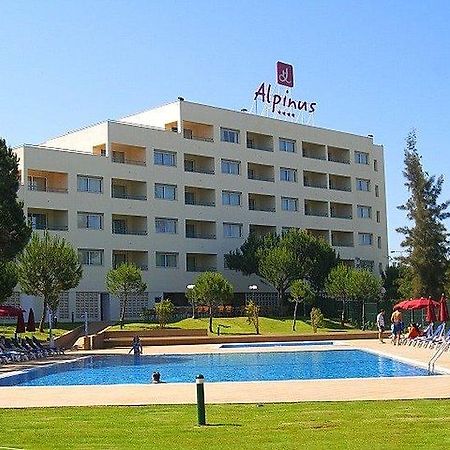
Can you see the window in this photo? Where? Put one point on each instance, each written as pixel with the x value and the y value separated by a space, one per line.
pixel 378 216
pixel 365 238
pixel 37 221
pixel 289 204
pixel 92 221
pixel 377 191
pixel 379 241
pixel 89 184
pixel 37 183
pixel 231 198
pixel 90 257
pixel 287 145
pixel 165 191
pixel 362 185
pixel 364 212
pixel 361 158
pixel 232 230
pixel 288 174
pixel 164 158
pixel 229 135
pixel 375 165
pixel 163 225
pixel 231 167
pixel 166 259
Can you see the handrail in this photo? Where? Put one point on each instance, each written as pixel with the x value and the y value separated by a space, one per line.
pixel 437 354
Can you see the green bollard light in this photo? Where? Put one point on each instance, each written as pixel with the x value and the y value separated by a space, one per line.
pixel 201 414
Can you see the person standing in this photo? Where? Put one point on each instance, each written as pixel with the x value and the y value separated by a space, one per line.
pixel 380 325
pixel 397 321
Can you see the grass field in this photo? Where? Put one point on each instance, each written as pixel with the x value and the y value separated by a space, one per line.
pixel 239 325
pixel 9 330
pixel 336 425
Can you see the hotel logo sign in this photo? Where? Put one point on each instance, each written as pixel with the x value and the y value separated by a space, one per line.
pixel 277 100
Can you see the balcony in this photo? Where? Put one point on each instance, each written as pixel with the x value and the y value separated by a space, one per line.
pixel 339 155
pixel 45 181
pixel 340 183
pixel 198 131
pixel 262 230
pixel 342 239
pixel 320 234
pixel 199 196
pixel 48 219
pixel 315 179
pixel 314 151
pixel 199 164
pixel 316 208
pixel 259 141
pixel 261 202
pixel 99 150
pixel 138 258
pixel 260 172
pixel 129 225
pixel 200 229
pixel 341 210
pixel 201 262
pixel 128 189
pixel 128 154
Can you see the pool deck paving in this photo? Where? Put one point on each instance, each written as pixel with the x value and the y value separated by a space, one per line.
pixel 239 392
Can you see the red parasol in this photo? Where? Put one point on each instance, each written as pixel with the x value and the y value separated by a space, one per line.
pixel 31 325
pixel 20 327
pixel 9 311
pixel 416 303
pixel 443 310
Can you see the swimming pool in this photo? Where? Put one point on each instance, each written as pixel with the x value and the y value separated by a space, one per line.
pixel 264 366
pixel 277 344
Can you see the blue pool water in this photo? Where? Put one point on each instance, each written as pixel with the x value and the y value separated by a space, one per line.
pixel 276 344
pixel 289 365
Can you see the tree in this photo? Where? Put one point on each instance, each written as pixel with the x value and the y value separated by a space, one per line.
pixel 212 289
pixel 8 279
pixel 14 231
pixel 252 313
pixel 339 286
pixel 316 319
pixel 426 240
pixel 124 281
pixel 192 298
pixel 300 291
pixel 47 267
pixel 164 310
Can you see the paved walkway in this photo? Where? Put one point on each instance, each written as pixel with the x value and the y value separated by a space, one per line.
pixel 244 392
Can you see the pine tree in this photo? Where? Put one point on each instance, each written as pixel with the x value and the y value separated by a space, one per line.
pixel 426 240
pixel 14 231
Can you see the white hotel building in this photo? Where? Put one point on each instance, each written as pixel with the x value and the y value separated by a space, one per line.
pixel 175 188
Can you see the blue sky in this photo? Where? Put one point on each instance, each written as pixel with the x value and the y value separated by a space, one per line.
pixel 374 67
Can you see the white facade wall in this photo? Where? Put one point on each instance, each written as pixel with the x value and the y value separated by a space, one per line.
pixel 129 133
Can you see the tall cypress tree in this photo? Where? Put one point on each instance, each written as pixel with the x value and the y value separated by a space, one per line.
pixel 426 240
pixel 14 231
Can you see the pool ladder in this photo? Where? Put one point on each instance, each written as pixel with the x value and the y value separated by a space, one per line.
pixel 442 347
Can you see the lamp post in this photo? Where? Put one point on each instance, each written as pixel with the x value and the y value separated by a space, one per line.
pixel 189 287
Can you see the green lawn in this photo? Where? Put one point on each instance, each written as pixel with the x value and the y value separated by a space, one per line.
pixel 9 330
pixel 239 325
pixel 421 424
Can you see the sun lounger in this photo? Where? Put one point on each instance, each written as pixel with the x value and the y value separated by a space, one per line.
pixel 424 341
pixel 427 332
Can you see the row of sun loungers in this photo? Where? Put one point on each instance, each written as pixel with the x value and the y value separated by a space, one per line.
pixel 24 349
pixel 431 337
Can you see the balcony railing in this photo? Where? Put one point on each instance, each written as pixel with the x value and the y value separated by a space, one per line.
pixel 134 162
pixel 128 196
pixel 201 269
pixel 50 227
pixel 316 213
pixel 261 208
pixel 312 156
pixel 199 202
pixel 188 135
pixel 316 184
pixel 199 170
pixel 131 232
pixel 197 235
pixel 254 146
pixel 341 216
pixel 338 159
pixel 260 177
pixel 139 266
pixel 340 188
pixel 336 243
pixel 48 189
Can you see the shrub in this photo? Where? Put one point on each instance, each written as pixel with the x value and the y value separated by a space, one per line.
pixel 164 310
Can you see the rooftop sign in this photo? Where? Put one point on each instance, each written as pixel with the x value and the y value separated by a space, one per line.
pixel 277 100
